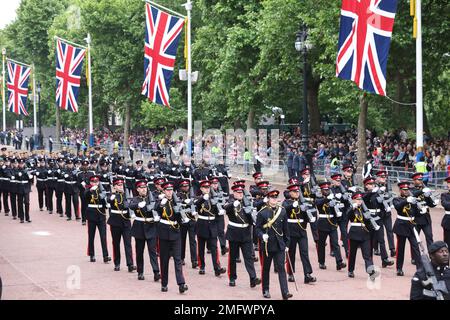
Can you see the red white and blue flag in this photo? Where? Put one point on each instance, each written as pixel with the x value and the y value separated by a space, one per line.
pixel 162 34
pixel 69 63
pixel 18 76
pixel 364 40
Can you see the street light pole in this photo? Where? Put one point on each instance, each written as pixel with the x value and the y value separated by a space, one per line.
pixel 302 46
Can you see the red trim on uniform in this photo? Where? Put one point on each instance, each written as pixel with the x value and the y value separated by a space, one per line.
pixel 288 268
pixel 217 254
pixel 198 254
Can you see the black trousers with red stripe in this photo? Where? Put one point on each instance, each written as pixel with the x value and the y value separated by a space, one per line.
pixel 365 250
pixel 151 247
pixel 188 228
pixel 167 249
pixel 401 242
pixel 302 243
pixel 278 261
pixel 323 235
pixel 101 226
pixel 118 233
pixel 247 250
pixel 212 246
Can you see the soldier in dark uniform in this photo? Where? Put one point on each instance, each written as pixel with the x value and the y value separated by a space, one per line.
pixel 206 228
pixel 291 181
pixel 11 173
pixel 139 172
pixel 169 237
pixel 425 202
pixel 83 180
pixel 149 175
pixel 221 171
pixel 119 168
pixel 445 224
pixel 186 195
pixel 41 183
pixel 144 229
pixel 386 216
pixel 309 196
pixel 174 174
pixel 161 165
pixel 60 186
pixel 327 225
pixel 51 184
pixel 344 203
pixel 421 286
pixel 375 206
pixel 120 223
pixel 23 184
pixel 219 200
pixel 253 189
pixel 359 237
pixel 4 183
pixel 96 216
pixel 297 222
pixel 186 169
pixel 239 236
pixel 273 231
pixel 404 225
pixel 130 180
pixel 200 173
pixel 71 190
pixel 105 176
pixel 348 181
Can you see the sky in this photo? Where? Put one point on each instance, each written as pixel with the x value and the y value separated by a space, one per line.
pixel 8 11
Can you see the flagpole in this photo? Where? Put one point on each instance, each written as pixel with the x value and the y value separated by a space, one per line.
pixel 34 102
pixel 91 123
pixel 3 88
pixel 419 87
pixel 188 7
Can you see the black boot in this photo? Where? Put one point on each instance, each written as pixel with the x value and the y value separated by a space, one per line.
pixel 254 282
pixel 182 288
pixel 291 278
pixel 220 271
pixel 287 296
pixel 386 263
pixel 266 294
pixel 156 276
pixel 106 259
pixel 117 268
pixel 131 268
pixel 232 283
pixel 309 279
pixel 340 265
pixel 351 274
pixel 92 259
pixel 141 276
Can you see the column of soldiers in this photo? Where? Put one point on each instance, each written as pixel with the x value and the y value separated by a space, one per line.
pixel 162 204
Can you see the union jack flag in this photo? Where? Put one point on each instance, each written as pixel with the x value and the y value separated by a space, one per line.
pixel 162 34
pixel 69 62
pixel 18 76
pixel 364 40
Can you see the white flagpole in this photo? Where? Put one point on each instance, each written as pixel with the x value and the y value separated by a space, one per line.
pixel 34 102
pixel 419 88
pixel 3 88
pixel 188 7
pixel 91 123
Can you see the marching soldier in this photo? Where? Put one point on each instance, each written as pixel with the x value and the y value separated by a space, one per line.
pixel 130 179
pixel 174 174
pixel 51 184
pixel 169 237
pixel 297 222
pixel 11 173
pixel 149 175
pixel 348 181
pixel 425 202
pixel 309 196
pixel 404 225
pixel 186 195
pixel 206 228
pixel 344 205
pixel 258 177
pixel 273 232
pixel 71 191
pixel 120 223
pixel 239 236
pixel 221 171
pixel 144 230
pixel 23 188
pixel 41 183
pixel 327 226
pixel 445 201
pixel 4 183
pixel 96 216
pixel 218 199
pixel 359 237
pixel 83 179
pixel 374 205
pixel 105 176
pixel 139 172
pixel 386 214
pixel 60 185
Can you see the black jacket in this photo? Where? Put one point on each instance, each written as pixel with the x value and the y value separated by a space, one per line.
pixel 237 215
pixel 279 231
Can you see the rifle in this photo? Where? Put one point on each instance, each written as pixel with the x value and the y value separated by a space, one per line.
pixel 311 211
pixel 439 287
pixel 192 196
pixel 216 199
pixel 368 216
pixel 177 208
pixel 152 204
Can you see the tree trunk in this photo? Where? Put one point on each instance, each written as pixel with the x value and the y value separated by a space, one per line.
pixel 250 118
pixel 362 125
pixel 126 129
pixel 58 125
pixel 426 126
pixel 397 108
pixel 313 106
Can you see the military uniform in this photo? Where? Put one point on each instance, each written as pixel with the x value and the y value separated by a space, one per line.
pixel 188 227
pixel 219 200
pixel 445 201
pixel 309 196
pixel 83 178
pixel 11 174
pixel 51 184
pixel 4 187
pixel 60 186
pixel 41 184
pixel 71 192
pixel 343 207
pixel 23 189
pixel 273 231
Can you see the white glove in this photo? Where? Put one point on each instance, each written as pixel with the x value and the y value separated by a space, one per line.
pixel 186 220
pixel 83 184
pixel 30 176
pixel 163 201
pixel 411 199
pixel 127 170
pixel 156 218
pixel 20 174
pixel 206 197
pixel 187 169
pixel 59 171
pixel 37 174
pixel 313 219
pixel 141 204
pixel 108 205
pixel 12 177
pixel 173 168
pixel 112 197
pixel 132 216
pixel 66 175
pixel 287 249
pixel 375 189
pixel 427 192
pixel 105 176
pixel 220 174
pixel 338 195
pixel 355 205
pixel 383 188
pixel 187 201
pixel 236 203
pixel 303 207
pixel 161 196
pixel 265 200
pixel 3 167
pixel 265 237
pixel 93 188
pixel 330 196
pixel 352 189
pixel 221 212
pixel 49 171
pixel 295 204
pixel 194 214
pixel 229 175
